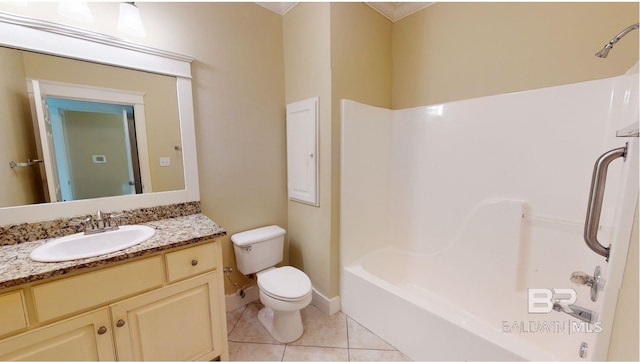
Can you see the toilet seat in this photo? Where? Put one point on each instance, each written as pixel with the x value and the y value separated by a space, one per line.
pixel 285 283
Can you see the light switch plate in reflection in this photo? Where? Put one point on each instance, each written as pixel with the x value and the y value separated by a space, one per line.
pixel 165 161
pixel 99 159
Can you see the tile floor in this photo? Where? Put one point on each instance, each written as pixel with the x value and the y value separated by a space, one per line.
pixel 335 338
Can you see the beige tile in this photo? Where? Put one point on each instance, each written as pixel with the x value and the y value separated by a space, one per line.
pixel 335 338
pixel 239 351
pixel 376 355
pixel 233 317
pixel 321 330
pixel 303 353
pixel 249 328
pixel 360 337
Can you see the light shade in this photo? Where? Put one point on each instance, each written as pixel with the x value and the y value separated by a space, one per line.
pixel 76 10
pixel 129 20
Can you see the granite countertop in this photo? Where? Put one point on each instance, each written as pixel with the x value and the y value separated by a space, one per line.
pixel 17 268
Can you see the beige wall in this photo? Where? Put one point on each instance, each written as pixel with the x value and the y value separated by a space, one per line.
pixel 454 51
pixel 307 59
pixel 238 86
pixel 104 137
pixel 334 51
pixel 20 185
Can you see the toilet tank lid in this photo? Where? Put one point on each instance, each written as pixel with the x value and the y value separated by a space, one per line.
pixel 257 235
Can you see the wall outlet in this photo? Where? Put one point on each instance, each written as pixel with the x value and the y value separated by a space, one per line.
pixel 165 161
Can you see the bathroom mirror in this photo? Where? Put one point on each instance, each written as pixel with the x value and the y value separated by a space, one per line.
pixel 106 57
pixel 101 93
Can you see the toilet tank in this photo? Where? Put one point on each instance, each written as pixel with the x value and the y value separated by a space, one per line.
pixel 258 249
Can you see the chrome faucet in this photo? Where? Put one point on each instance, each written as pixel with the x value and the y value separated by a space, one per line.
pixel 100 223
pixel 582 314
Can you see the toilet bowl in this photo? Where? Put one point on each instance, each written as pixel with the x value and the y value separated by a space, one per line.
pixel 284 291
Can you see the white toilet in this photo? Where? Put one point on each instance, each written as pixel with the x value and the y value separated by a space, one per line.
pixel 284 291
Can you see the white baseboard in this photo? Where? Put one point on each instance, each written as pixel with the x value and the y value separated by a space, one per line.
pixel 252 293
pixel 326 305
pixel 235 301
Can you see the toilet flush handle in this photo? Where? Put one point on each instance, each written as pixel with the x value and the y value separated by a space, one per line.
pixel 246 248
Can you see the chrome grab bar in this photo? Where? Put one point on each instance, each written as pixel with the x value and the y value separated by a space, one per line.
pixel 596 195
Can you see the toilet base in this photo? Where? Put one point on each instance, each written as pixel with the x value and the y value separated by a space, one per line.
pixel 284 327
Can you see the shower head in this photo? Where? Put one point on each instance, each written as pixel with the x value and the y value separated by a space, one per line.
pixel 605 51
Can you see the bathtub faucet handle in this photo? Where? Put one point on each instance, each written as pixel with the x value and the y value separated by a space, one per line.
pixel 595 282
pixel 561 307
pixel 575 311
pixel 581 278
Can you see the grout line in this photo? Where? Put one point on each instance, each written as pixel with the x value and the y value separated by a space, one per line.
pixel 374 349
pixel 308 346
pixel 252 342
pixel 346 322
pixel 284 350
pixel 237 321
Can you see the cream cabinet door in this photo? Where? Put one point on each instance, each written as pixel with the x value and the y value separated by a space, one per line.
pixel 83 338
pixel 178 323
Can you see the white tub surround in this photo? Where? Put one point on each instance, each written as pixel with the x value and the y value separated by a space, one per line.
pixel 451 212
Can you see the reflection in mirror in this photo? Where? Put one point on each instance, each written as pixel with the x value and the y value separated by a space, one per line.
pixel 95 150
pixel 156 138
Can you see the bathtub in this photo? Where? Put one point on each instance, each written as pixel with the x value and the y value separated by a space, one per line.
pixel 450 214
pixel 462 303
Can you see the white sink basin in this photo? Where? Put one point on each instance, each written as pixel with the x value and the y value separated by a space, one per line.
pixel 78 246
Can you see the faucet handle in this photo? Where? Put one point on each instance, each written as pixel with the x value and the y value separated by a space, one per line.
pixel 595 282
pixel 581 278
pixel 560 306
pixel 86 223
pixel 113 220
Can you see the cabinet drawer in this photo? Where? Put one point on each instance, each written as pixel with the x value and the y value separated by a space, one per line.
pixel 65 296
pixel 187 262
pixel 12 314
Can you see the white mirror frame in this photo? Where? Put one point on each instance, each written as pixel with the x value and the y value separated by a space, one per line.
pixel 60 40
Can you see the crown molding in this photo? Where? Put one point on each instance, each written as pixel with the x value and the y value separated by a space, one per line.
pixel 280 8
pixel 88 35
pixel 395 11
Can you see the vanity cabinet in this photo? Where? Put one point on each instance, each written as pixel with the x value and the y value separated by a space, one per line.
pixel 165 307
pixel 175 323
pixel 81 338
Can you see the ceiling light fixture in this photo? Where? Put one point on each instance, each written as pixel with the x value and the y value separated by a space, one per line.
pixel 76 10
pixel 129 20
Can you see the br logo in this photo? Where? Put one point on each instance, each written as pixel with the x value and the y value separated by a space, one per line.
pixel 542 300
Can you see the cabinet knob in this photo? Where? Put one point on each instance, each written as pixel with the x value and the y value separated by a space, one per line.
pixel 120 323
pixel 102 330
pixel 194 262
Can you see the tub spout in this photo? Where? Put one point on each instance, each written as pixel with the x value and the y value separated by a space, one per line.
pixel 575 311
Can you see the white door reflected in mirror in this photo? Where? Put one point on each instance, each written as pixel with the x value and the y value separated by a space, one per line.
pixel 81 128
